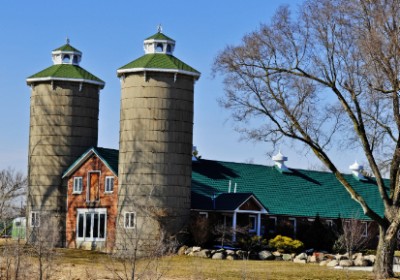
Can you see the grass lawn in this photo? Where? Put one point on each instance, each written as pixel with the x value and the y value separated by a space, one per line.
pixel 75 264
pixel 101 266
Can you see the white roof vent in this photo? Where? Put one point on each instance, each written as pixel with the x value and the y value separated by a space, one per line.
pixel 279 161
pixel 357 169
pixel 195 153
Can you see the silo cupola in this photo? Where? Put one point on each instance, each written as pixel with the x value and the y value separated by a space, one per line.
pixel 159 43
pixel 66 54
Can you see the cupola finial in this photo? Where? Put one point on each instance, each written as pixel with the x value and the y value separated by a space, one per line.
pixel 67 40
pixel 159 28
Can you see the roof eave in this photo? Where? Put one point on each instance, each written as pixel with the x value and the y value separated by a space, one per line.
pixel 29 81
pixel 84 158
pixel 120 72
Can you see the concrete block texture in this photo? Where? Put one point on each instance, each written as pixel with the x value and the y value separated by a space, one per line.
pixel 63 125
pixel 156 138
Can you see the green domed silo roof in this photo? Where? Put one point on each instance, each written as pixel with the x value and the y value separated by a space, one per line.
pixel 159 63
pixel 159 36
pixel 65 72
pixel 68 48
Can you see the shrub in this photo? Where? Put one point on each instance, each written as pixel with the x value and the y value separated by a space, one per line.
pixel 286 244
pixel 252 243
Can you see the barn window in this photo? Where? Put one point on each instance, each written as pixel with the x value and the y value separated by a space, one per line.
pixel 129 220
pixel 109 184
pixel 77 185
pixel 35 219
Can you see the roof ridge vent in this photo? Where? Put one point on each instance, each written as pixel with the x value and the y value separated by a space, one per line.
pixel 356 170
pixel 279 162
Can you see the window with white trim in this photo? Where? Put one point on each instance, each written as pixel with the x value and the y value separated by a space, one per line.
pixel 329 223
pixel 35 219
pixel 77 185
pixel 252 223
pixel 91 224
pixel 203 214
pixel 129 221
pixel 109 185
pixel 272 223
pixel 364 229
pixel 293 224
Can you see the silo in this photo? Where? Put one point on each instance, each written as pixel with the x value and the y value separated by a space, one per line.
pixel 156 129
pixel 64 110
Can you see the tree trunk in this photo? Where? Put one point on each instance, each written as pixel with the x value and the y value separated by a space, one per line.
pixel 383 267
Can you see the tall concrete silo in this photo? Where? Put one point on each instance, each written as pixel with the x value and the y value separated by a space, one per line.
pixel 64 111
pixel 156 129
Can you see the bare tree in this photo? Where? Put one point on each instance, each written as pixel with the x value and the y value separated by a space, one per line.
pixel 327 75
pixel 12 186
pixel 355 236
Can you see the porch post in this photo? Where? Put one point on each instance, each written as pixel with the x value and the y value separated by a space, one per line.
pixel 234 226
pixel 258 224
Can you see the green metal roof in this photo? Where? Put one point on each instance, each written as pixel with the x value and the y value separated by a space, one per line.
pixel 108 156
pixel 300 193
pixel 159 36
pixel 65 71
pixel 159 61
pixel 68 48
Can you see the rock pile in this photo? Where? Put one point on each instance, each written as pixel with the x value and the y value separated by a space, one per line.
pixel 317 257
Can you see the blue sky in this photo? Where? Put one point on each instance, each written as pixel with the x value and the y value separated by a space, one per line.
pixel 111 35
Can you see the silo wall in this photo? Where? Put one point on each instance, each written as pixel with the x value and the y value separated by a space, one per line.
pixel 156 131
pixel 63 125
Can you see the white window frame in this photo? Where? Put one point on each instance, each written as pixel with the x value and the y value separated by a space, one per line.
pixel 227 216
pixel 275 219
pixel 294 226
pixel 94 211
pixel 365 231
pixel 203 214
pixel 254 218
pixel 329 223
pixel 35 219
pixel 107 184
pixel 129 224
pixel 77 185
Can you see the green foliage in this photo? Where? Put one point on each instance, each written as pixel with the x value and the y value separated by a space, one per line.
pixel 252 243
pixel 286 244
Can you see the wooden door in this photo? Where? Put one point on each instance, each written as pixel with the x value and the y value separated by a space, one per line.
pixel 94 186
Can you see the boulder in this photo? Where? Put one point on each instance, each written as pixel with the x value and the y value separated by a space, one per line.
pixel 370 258
pixel 312 259
pixel 356 256
pixel 188 250
pixel 299 261
pixel 329 257
pixel 202 254
pixel 231 257
pixel 230 252
pixel 196 249
pixel 277 254
pixel 287 257
pixel 218 256
pixel 182 250
pixel 323 263
pixel 302 256
pixel 346 263
pixel 332 263
pixel 265 255
pixel 319 256
pixel 360 261
pixel 241 254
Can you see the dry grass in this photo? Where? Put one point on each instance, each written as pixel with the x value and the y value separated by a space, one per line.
pixel 78 265
pixel 74 264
